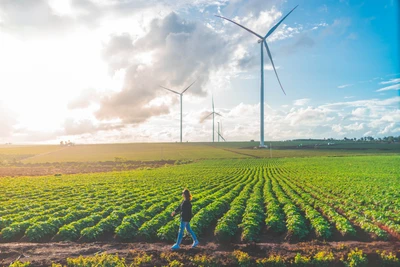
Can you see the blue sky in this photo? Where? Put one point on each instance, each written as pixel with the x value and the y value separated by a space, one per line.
pixel 89 71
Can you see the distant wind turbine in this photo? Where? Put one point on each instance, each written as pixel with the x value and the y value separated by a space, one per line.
pixel 262 41
pixel 213 113
pixel 180 94
pixel 220 132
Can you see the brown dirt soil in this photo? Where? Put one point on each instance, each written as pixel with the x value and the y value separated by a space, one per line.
pixel 44 254
pixel 41 169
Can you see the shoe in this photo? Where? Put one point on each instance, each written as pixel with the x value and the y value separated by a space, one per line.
pixel 195 243
pixel 175 247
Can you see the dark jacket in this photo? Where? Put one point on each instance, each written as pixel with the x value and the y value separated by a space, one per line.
pixel 185 208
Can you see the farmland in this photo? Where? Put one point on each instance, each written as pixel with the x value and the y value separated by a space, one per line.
pixel 240 197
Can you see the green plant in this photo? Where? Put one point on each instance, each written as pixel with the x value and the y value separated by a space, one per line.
pixel 271 261
pixel 323 259
pixel 243 259
pixel 20 264
pixel 140 257
pixel 204 261
pixel 105 260
pixel 175 263
pixel 355 258
pixel 388 259
pixel 300 260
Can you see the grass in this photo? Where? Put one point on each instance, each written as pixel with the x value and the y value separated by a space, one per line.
pixel 190 151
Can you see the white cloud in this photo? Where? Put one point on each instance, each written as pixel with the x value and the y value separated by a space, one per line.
pixel 337 128
pixel 344 85
pixel 391 87
pixel 363 103
pixel 301 102
pixel 397 80
pixel 359 112
pixel 354 127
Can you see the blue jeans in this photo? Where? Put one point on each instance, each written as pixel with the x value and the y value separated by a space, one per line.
pixel 182 227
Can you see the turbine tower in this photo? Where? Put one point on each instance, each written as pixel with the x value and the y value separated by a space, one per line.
pixel 180 94
pixel 262 41
pixel 213 113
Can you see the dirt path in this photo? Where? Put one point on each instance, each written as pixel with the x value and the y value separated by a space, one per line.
pixel 43 254
pixel 236 152
pixel 47 153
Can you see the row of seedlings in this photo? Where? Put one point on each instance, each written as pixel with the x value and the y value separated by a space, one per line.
pixel 295 222
pixel 168 231
pixel 348 210
pixel 254 215
pixel 341 223
pixel 321 226
pixel 228 225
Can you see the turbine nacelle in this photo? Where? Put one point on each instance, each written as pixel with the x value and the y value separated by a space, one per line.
pixel 260 41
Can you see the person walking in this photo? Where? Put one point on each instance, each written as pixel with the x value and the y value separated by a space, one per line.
pixel 185 209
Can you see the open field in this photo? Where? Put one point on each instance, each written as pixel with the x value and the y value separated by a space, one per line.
pixel 346 201
pixel 188 151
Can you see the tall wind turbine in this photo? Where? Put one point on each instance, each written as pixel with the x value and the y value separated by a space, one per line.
pixel 262 41
pixel 220 132
pixel 213 113
pixel 180 94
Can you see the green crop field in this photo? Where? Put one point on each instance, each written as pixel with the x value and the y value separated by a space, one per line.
pixel 299 199
pixel 309 193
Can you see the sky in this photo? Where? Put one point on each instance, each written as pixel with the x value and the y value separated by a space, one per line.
pixel 90 71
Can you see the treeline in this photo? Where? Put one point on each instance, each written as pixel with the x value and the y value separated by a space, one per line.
pixel 386 139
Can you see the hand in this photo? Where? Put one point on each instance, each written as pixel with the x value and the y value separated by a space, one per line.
pixel 173 214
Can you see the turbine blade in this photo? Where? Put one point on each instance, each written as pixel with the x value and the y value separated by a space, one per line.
pixel 216 113
pixel 212 97
pixel 277 25
pixel 272 62
pixel 169 90
pixel 203 119
pixel 222 137
pixel 256 34
pixel 188 87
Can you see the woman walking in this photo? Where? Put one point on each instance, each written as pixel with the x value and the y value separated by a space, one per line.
pixel 185 208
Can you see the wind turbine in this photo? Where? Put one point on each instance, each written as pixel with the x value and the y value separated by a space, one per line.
pixel 180 94
pixel 220 133
pixel 262 41
pixel 213 113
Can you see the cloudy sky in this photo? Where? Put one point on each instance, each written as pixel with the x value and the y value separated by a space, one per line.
pixel 90 70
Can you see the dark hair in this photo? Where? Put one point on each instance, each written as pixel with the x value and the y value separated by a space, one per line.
pixel 187 194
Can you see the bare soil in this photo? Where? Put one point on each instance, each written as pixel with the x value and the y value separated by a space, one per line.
pixel 44 254
pixel 57 168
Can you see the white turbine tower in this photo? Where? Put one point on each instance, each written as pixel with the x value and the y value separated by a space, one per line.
pixel 262 41
pixel 213 113
pixel 180 94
